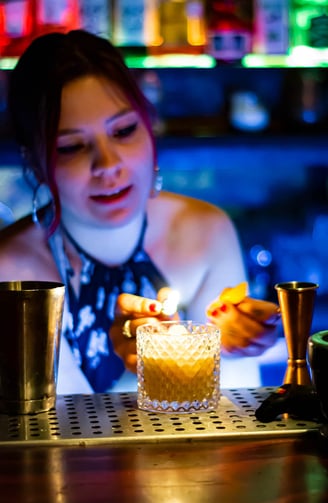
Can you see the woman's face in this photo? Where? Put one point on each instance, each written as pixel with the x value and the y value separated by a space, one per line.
pixel 104 166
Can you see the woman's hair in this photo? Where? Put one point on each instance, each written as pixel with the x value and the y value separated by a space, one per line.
pixel 35 87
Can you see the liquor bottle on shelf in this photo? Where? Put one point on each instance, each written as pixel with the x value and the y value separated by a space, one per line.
pixel 196 32
pixel 181 27
pixel 96 17
pixel 271 27
pixel 135 22
pixel 306 97
pixel 56 15
pixel 229 29
pixel 309 23
pixel 16 26
pixel 248 112
pixel 151 86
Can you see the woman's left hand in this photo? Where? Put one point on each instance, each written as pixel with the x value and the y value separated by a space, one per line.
pixel 248 328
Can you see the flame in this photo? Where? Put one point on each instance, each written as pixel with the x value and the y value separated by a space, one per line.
pixel 170 303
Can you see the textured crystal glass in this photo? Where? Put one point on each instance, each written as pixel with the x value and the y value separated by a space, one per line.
pixel 178 366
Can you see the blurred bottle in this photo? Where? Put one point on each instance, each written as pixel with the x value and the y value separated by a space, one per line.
pixel 17 19
pixel 181 27
pixel 96 17
pixel 309 23
pixel 56 15
pixel 271 27
pixel 135 22
pixel 151 86
pixel 229 29
pixel 308 101
pixel 248 113
pixel 196 32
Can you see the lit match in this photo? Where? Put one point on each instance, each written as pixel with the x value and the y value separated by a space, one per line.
pixel 170 304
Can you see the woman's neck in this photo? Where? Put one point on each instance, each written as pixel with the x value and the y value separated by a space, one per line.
pixel 111 246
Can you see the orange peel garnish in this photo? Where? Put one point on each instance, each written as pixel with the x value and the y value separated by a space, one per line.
pixel 234 295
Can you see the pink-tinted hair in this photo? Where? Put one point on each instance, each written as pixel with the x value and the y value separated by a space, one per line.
pixel 35 88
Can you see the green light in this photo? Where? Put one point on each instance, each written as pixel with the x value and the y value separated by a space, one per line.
pixel 171 61
pixel 264 60
pixel 301 56
pixel 161 61
pixel 7 63
pixel 308 56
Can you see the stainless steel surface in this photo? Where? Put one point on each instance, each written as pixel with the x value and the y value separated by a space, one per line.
pixel 114 419
pixel 31 318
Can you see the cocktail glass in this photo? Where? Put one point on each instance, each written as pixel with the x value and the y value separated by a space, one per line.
pixel 178 366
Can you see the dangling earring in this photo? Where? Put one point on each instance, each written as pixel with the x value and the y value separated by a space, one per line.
pixel 43 201
pixel 158 182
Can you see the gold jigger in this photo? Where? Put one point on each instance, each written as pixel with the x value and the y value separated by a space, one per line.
pixel 296 300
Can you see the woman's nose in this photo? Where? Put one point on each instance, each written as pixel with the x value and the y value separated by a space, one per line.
pixel 105 159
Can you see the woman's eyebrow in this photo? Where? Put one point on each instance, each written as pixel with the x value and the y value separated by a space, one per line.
pixel 66 131
pixel 119 114
pixel 109 120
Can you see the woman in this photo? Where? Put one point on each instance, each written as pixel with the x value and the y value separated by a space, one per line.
pixel 85 131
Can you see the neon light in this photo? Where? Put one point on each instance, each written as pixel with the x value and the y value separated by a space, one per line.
pixel 264 60
pixel 161 61
pixel 300 56
pixel 7 63
pixel 171 61
pixel 309 56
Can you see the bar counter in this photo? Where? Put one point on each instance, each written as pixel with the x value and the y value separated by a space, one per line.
pixel 214 457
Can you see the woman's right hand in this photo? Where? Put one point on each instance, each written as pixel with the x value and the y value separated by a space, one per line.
pixel 131 312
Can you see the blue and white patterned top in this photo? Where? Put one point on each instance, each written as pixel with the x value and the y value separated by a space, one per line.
pixel 91 314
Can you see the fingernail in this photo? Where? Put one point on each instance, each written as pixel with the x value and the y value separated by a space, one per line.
pixel 153 307
pixel 223 308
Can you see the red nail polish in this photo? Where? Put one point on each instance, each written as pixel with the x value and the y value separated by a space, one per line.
pixel 223 308
pixel 152 307
pixel 215 312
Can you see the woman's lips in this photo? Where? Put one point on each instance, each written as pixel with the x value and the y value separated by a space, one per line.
pixel 111 198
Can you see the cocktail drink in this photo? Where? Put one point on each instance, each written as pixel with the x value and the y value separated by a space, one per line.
pixel 178 366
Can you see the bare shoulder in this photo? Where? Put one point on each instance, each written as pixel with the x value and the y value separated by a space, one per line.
pixel 184 211
pixel 181 219
pixel 24 253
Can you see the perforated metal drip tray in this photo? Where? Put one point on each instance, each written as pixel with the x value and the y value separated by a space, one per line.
pixel 114 418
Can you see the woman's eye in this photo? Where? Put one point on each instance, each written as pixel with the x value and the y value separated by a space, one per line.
pixel 69 149
pixel 126 131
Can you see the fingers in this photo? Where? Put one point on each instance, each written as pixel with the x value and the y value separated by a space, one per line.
pixel 261 310
pixel 133 311
pixel 131 363
pixel 241 332
pixel 126 349
pixel 163 293
pixel 232 295
pixel 134 323
pixel 251 350
pixel 237 341
pixel 125 346
pixel 165 306
pixel 128 305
